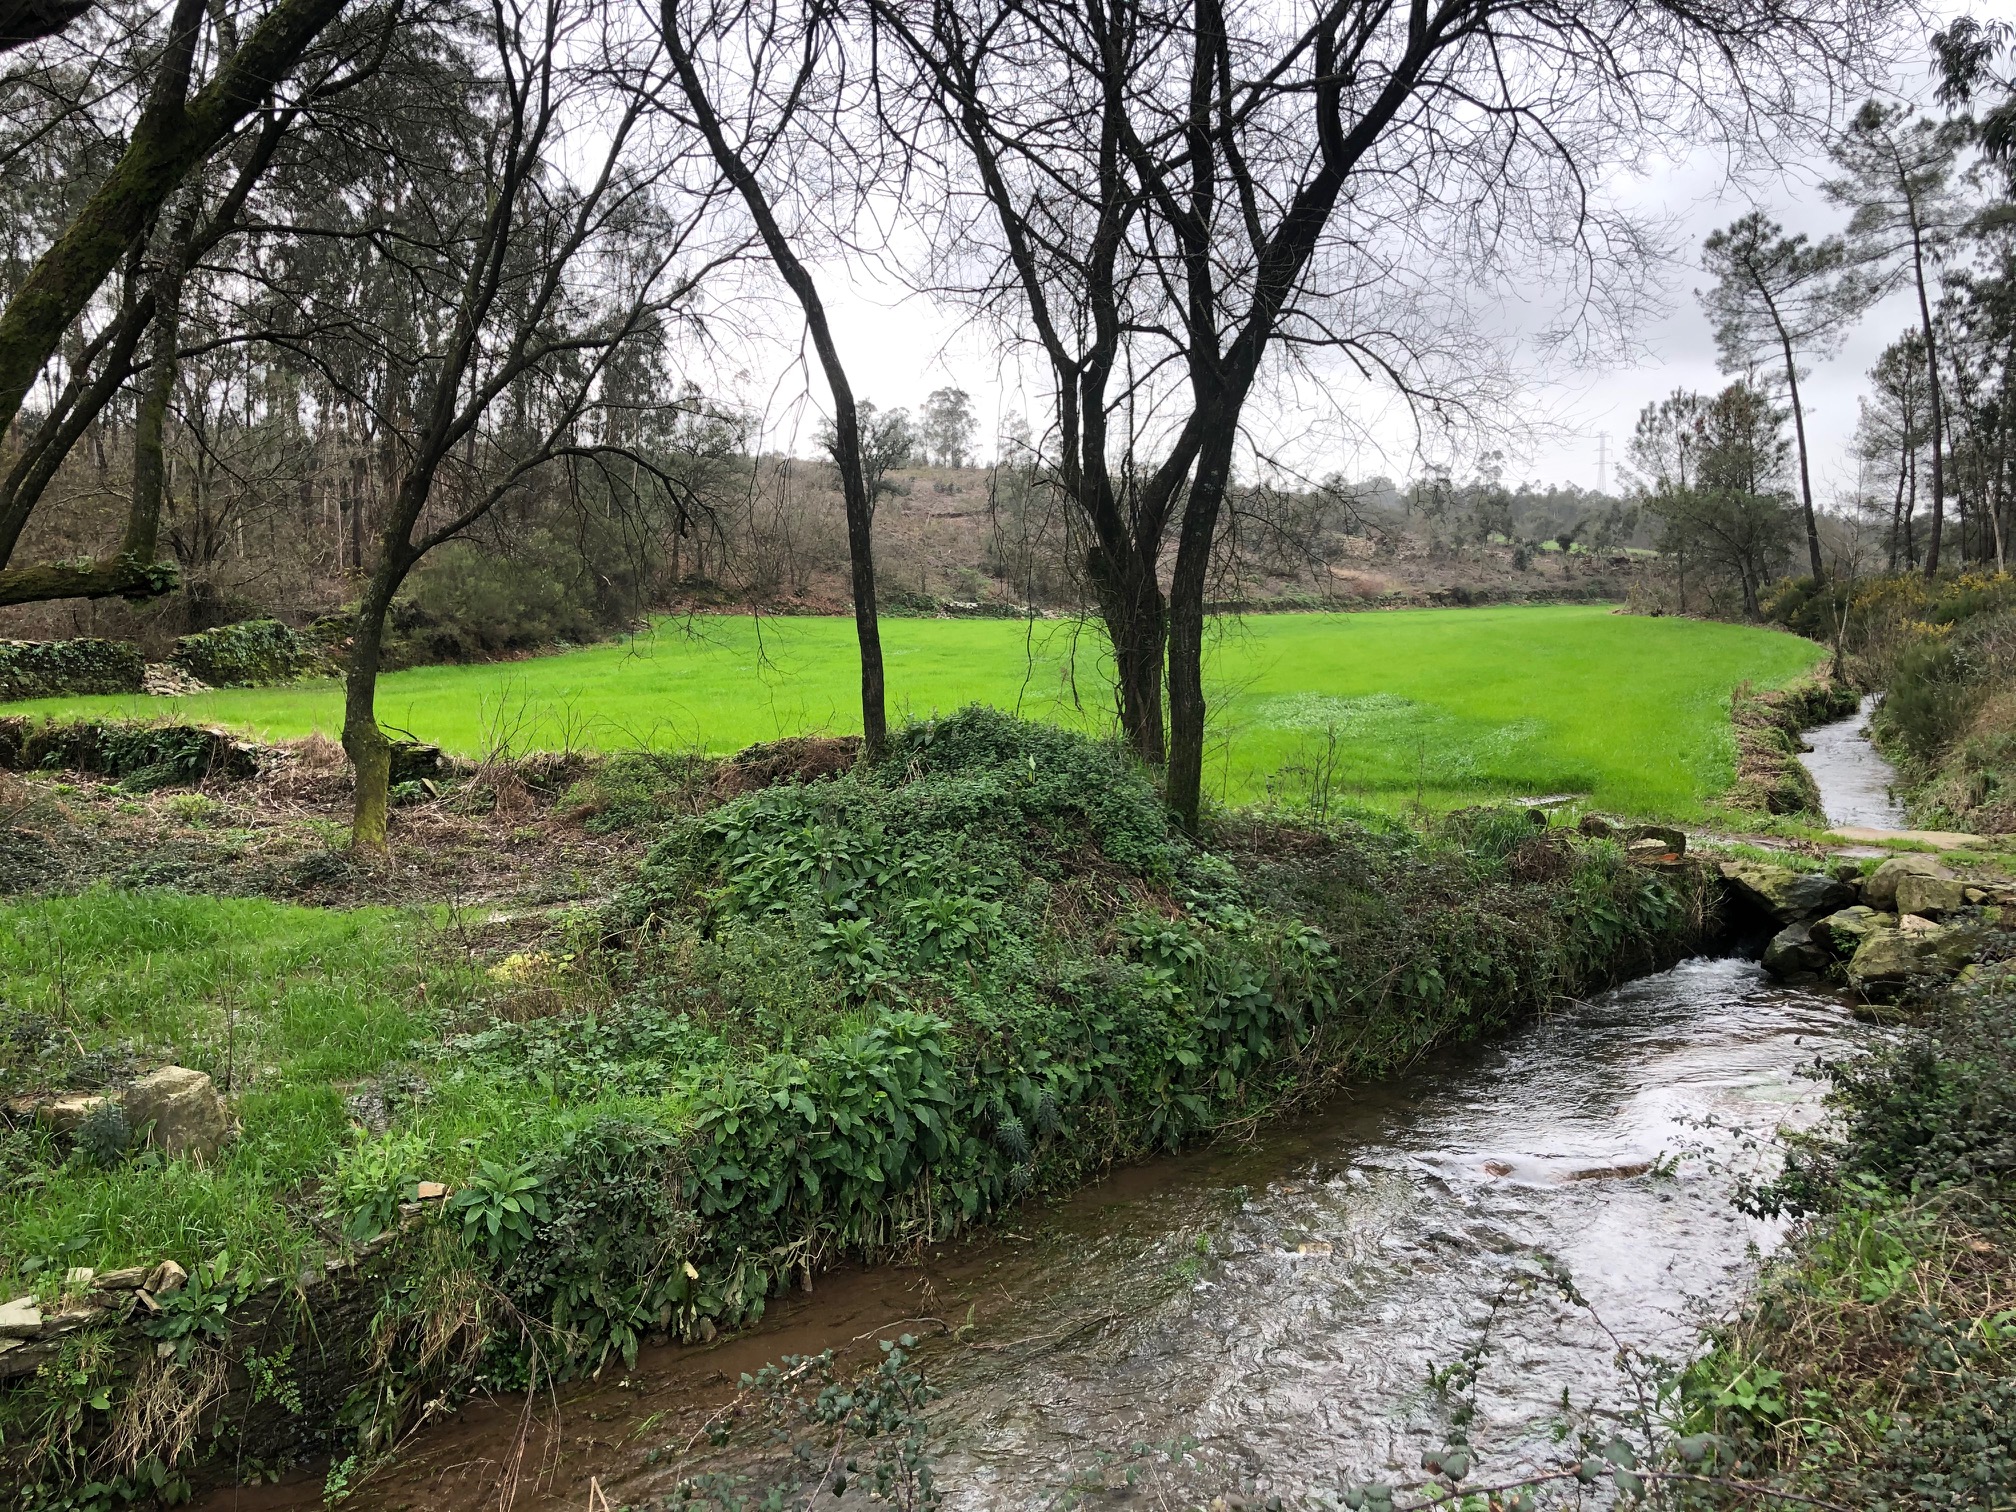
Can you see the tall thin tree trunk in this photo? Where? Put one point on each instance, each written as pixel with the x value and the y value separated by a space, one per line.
pixel 1805 477
pixel 1187 708
pixel 1935 393
pixel 859 503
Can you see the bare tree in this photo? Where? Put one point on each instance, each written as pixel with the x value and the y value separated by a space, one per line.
pixel 140 332
pixel 1189 196
pixel 770 138
pixel 180 126
pixel 533 271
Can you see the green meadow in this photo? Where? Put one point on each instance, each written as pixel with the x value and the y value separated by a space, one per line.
pixel 1444 707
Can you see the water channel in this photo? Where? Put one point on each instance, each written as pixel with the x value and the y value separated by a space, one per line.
pixel 1856 783
pixel 1272 1309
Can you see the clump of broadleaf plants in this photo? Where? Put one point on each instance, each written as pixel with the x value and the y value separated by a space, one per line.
pixel 1877 1365
pixel 848 1018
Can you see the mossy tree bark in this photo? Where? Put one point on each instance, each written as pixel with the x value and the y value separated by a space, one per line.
pixel 176 132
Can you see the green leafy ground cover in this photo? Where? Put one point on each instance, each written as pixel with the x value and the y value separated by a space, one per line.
pixel 821 1022
pixel 1449 706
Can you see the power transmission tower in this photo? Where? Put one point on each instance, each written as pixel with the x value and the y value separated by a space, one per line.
pixel 1602 462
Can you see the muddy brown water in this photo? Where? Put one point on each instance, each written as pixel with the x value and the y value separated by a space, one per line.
pixel 1264 1316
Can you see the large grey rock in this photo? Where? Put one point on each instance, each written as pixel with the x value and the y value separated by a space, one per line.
pixel 1847 929
pixel 1793 952
pixel 187 1115
pixel 1788 896
pixel 1929 897
pixel 1879 888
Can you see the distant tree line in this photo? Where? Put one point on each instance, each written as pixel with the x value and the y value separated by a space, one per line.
pixel 463 277
pixel 1930 214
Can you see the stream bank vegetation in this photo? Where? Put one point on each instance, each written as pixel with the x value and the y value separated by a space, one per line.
pixel 822 1021
pixel 1876 1364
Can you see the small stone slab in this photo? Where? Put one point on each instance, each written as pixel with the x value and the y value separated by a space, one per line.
pixel 167 1279
pixel 131 1278
pixel 1937 839
pixel 63 1115
pixel 20 1319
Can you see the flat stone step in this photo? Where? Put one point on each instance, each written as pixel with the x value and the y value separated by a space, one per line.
pixel 1938 839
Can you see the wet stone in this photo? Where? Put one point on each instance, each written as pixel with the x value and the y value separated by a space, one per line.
pixel 1794 952
pixel 1788 896
pixel 1930 897
pixel 1846 930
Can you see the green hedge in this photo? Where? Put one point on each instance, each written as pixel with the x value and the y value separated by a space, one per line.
pixel 910 997
pixel 52 669
pixel 250 654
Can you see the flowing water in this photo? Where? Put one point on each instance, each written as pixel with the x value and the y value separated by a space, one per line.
pixel 1855 781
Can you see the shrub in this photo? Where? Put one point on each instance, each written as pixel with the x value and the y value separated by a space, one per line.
pixel 466 603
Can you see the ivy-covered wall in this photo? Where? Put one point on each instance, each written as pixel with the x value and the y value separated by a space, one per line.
pixel 249 654
pixel 50 669
pixel 144 755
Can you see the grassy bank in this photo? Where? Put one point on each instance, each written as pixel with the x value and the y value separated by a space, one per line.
pixel 818 1023
pixel 1876 1365
pixel 1450 706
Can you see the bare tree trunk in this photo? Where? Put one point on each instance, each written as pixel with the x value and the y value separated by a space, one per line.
pixel 855 494
pixel 1805 477
pixel 175 132
pixel 364 742
pixel 1187 709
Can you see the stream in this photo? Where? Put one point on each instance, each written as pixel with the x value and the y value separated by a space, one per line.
pixel 1855 780
pixel 1263 1317
pixel 1272 1310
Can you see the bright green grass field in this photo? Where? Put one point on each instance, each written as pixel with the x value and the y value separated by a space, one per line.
pixel 1448 705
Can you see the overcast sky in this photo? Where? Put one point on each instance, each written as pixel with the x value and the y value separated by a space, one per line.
pixel 898 349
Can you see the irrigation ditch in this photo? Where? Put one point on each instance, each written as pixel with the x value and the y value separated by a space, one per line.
pixel 1464 1108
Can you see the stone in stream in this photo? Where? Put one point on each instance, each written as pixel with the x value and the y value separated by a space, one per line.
pixel 1846 930
pixel 1929 897
pixel 1794 952
pixel 1788 896
pixel 187 1115
pixel 1879 888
